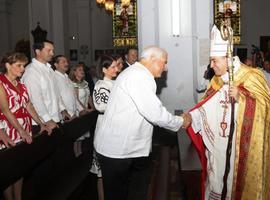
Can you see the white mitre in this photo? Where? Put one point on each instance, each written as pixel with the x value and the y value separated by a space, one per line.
pixel 218 46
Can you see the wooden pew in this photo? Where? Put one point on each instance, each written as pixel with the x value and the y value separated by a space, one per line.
pixel 48 164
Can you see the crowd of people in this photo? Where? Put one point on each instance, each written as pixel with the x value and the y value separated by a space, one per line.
pixel 42 94
pixel 48 92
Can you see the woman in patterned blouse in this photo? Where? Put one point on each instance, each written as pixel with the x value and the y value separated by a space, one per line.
pixel 107 71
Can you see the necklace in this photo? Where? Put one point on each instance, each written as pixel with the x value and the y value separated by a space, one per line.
pixel 223 124
pixel 13 82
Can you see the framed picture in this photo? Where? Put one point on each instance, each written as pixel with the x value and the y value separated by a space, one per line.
pixel 125 25
pixel 73 54
pixel 235 20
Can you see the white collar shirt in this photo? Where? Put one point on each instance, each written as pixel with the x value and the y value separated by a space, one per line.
pixel 67 93
pixel 132 110
pixel 41 85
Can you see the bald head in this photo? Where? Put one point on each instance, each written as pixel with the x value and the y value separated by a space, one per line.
pixel 155 60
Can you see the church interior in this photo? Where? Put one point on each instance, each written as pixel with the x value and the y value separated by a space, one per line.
pixel 82 31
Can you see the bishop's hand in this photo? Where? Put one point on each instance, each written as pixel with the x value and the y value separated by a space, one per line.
pixel 234 92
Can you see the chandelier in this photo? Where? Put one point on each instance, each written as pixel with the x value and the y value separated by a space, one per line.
pixel 109 4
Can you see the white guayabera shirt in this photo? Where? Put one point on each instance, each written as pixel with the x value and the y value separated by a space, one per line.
pixel 132 109
pixel 41 85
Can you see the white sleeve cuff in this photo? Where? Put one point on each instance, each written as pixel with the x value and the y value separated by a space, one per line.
pixel 196 120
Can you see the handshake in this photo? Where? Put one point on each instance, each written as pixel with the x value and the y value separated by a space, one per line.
pixel 187 120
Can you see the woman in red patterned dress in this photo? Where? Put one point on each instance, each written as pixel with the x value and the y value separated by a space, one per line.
pixel 16 109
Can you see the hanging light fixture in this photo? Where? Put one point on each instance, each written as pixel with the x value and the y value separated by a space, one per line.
pixel 109 4
pixel 100 1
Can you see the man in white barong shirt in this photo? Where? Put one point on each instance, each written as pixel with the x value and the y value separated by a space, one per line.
pixel 65 86
pixel 123 141
pixel 41 85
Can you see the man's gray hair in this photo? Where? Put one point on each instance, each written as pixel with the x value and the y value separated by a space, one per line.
pixel 152 51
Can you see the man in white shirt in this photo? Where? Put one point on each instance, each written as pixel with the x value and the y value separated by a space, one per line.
pixel 40 82
pixel 65 86
pixel 131 57
pixel 123 141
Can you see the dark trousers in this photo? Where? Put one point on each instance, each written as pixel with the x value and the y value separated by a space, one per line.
pixel 125 179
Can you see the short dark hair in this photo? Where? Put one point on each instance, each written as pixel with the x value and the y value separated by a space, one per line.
pixel 56 59
pixel 104 62
pixel 117 56
pixel 131 48
pixel 40 45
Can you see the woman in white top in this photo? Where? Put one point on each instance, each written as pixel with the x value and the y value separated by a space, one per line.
pixel 82 91
pixel 107 70
pixel 77 76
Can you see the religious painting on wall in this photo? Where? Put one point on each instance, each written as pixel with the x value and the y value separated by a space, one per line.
pixel 235 18
pixel 125 24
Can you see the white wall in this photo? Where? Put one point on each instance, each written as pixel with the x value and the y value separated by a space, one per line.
pixel 203 20
pixel 148 26
pixel 178 94
pixel 184 61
